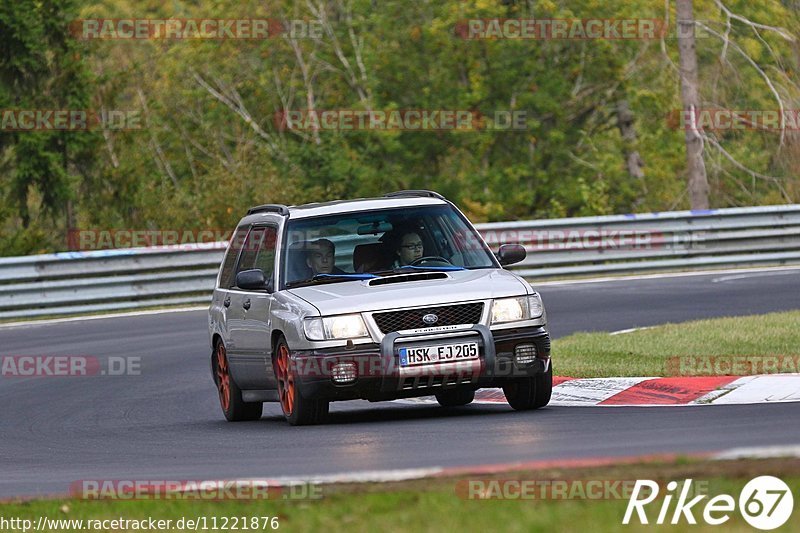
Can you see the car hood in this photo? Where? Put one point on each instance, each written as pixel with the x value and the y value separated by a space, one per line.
pixel 459 286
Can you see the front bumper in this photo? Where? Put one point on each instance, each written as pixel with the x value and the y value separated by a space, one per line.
pixel 380 376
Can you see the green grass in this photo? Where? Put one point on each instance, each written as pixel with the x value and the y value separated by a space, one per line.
pixel 434 504
pixel 653 352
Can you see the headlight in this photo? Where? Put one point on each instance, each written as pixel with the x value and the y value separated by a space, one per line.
pixel 509 310
pixel 516 309
pixel 335 327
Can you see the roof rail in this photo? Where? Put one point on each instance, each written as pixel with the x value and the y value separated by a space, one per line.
pixel 415 192
pixel 267 208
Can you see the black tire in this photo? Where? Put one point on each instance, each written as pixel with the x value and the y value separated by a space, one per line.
pixel 455 397
pixel 297 409
pixel 233 406
pixel 524 394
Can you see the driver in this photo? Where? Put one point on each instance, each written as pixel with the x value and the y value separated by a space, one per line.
pixel 409 249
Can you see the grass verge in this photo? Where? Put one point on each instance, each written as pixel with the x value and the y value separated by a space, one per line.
pixel 439 504
pixel 744 345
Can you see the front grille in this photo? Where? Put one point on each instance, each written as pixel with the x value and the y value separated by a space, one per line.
pixel 449 315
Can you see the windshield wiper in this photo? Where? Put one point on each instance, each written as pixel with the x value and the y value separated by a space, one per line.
pixel 329 278
pixel 345 276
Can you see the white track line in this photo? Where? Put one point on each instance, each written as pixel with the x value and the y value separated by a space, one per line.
pixel 662 276
pixel 368 476
pixel 630 330
pixel 759 452
pixel 81 318
pixel 723 279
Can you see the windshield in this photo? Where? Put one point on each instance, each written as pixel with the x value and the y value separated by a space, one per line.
pixel 366 244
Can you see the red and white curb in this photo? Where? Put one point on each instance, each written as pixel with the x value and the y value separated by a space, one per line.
pixel 643 391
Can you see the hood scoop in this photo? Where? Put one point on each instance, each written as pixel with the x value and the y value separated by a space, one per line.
pixel 402 278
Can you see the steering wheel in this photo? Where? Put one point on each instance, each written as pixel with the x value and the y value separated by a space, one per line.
pixel 438 258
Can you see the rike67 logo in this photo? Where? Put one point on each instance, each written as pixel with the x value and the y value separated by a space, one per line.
pixel 765 503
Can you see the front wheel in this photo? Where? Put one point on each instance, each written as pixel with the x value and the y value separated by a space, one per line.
pixel 530 393
pixel 297 409
pixel 233 406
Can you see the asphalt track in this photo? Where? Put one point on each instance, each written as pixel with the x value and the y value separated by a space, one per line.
pixel 166 424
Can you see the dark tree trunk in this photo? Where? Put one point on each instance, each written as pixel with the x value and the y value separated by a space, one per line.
pixel 633 161
pixel 690 94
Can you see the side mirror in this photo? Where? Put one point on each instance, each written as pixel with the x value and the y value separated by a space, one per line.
pixel 508 254
pixel 251 280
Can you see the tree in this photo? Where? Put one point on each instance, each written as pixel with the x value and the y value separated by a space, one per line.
pixel 42 67
pixel 697 180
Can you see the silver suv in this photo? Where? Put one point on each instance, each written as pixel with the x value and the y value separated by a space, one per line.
pixel 375 299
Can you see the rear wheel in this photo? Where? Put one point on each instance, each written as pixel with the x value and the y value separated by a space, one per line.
pixel 530 393
pixel 455 397
pixel 297 409
pixel 230 395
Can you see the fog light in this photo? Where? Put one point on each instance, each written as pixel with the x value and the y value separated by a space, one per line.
pixel 525 354
pixel 344 372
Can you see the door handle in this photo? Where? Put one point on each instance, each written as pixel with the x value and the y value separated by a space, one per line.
pixel 246 304
pixel 227 301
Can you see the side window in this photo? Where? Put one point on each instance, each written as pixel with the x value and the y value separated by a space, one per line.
pixel 234 247
pixel 259 250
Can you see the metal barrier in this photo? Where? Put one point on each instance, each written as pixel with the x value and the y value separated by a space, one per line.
pixel 675 240
pixel 107 280
pixel 96 281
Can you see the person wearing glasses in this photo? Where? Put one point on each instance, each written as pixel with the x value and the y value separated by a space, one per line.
pixel 409 249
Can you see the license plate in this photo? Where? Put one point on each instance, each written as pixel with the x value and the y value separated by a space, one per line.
pixel 443 353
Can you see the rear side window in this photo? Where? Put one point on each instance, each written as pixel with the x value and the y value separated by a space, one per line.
pixel 234 247
pixel 259 250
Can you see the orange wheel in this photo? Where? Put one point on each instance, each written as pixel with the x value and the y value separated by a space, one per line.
pixel 233 405
pixel 285 377
pixel 298 410
pixel 223 378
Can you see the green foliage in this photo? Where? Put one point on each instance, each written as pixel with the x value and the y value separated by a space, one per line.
pixel 41 68
pixel 211 146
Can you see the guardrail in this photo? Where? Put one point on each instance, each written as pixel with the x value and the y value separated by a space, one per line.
pixel 93 281
pixel 675 240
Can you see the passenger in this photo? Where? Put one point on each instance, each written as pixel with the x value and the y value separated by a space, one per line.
pixel 320 258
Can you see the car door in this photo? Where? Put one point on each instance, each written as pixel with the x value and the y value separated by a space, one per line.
pixel 249 312
pixel 221 299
